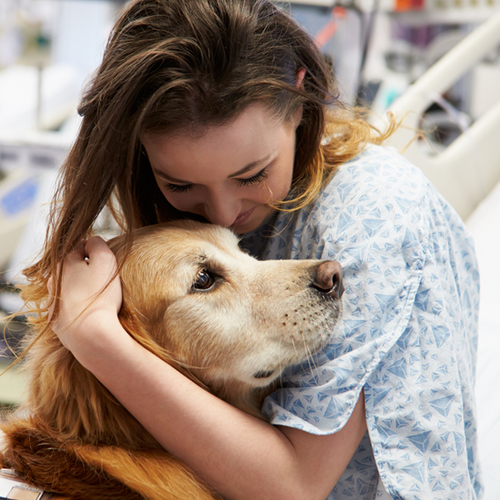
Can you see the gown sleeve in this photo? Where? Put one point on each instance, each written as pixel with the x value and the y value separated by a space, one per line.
pixel 408 334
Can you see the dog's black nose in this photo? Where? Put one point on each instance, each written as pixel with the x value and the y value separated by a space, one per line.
pixel 328 279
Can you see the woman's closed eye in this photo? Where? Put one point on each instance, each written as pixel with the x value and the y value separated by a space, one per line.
pixel 177 188
pixel 255 179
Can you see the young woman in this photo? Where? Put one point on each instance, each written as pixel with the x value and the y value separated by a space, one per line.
pixel 223 111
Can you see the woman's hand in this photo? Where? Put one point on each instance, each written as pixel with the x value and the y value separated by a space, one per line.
pixel 87 316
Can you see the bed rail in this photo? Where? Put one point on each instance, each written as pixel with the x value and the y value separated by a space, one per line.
pixel 467 170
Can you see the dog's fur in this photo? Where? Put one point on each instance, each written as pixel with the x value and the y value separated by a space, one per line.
pixel 190 295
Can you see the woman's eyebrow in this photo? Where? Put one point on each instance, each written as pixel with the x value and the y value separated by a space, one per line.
pixel 244 170
pixel 251 165
pixel 163 175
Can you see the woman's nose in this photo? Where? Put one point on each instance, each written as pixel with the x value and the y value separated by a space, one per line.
pixel 221 209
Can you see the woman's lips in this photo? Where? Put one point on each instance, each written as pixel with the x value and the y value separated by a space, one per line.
pixel 242 218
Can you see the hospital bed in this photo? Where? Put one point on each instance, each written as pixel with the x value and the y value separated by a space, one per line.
pixel 467 173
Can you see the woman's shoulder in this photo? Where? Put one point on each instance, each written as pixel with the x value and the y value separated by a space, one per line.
pixel 377 199
pixel 376 177
pixel 380 166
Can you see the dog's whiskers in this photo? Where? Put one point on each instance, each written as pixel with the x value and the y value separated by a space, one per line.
pixel 281 366
pixel 309 354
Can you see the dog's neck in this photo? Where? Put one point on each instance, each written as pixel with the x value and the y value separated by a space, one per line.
pixel 239 394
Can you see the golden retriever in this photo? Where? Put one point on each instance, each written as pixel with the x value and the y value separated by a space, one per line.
pixel 190 295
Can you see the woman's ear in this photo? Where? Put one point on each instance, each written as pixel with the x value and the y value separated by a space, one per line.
pixel 301 73
pixel 298 117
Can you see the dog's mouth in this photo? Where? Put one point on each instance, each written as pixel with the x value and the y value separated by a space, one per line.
pixel 263 374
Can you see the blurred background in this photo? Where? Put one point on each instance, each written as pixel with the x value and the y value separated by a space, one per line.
pixel 49 49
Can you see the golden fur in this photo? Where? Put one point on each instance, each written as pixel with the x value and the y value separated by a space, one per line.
pixel 191 296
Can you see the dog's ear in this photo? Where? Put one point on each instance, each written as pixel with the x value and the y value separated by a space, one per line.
pixel 130 320
pixel 145 331
pixel 142 329
pixel 120 246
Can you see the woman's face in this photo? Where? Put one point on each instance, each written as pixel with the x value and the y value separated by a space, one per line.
pixel 231 172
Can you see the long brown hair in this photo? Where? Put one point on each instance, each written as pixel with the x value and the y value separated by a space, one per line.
pixel 184 65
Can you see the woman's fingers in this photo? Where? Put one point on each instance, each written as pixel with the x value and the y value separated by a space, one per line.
pixel 97 254
pixel 78 253
pixel 96 244
pixel 74 257
pixel 88 273
pixel 90 295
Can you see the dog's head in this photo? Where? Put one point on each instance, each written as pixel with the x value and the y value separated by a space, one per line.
pixel 221 313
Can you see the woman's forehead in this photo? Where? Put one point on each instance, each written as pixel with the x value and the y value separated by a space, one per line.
pixel 250 140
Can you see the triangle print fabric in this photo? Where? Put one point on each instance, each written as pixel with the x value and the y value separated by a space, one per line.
pixel 408 334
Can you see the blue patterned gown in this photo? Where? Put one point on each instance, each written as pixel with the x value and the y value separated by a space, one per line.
pixel 408 333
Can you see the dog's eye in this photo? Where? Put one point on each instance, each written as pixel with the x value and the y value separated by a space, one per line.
pixel 204 281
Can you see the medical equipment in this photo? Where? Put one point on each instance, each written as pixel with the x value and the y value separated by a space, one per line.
pixel 31 101
pixel 466 171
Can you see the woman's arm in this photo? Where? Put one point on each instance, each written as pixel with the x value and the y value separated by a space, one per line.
pixel 237 454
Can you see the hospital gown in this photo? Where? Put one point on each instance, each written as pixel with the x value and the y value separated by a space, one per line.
pixel 408 334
